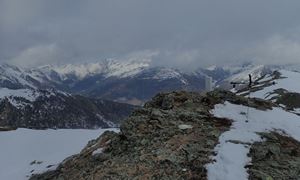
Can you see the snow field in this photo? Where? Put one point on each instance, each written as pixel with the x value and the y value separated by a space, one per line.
pixel 26 151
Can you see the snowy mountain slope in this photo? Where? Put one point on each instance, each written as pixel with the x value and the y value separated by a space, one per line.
pixel 224 76
pixel 28 98
pixel 25 151
pixel 232 153
pixel 19 98
pixel 107 68
pixel 143 86
pixel 51 76
pixel 123 81
pixel 164 74
pixel 13 77
pixel 256 72
pixel 71 76
pixel 280 87
pixel 288 81
pixel 39 109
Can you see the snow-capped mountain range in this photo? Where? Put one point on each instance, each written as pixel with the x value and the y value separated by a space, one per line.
pixel 70 77
pixel 132 82
pixel 127 81
pixel 32 101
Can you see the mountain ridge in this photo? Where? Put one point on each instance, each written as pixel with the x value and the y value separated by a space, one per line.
pixel 191 135
pixel 128 81
pixel 41 109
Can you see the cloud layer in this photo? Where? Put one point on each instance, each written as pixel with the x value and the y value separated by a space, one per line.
pixel 184 34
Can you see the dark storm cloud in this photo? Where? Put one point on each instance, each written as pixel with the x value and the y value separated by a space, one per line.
pixel 183 33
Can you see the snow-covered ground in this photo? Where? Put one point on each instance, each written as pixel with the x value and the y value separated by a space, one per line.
pixel 289 83
pixel 255 71
pixel 231 156
pixel 26 151
pixel 234 145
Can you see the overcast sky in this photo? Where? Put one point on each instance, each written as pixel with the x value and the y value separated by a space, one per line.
pixel 181 33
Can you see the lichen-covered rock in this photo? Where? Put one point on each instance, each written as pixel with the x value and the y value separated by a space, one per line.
pixel 276 158
pixel 290 100
pixel 172 137
pixel 151 145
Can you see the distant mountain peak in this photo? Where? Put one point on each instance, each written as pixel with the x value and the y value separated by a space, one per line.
pixel 108 67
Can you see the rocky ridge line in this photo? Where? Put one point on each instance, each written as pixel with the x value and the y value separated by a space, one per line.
pixel 172 137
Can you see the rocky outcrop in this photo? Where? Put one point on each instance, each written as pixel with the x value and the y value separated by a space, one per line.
pixel 278 157
pixel 172 136
pixel 291 100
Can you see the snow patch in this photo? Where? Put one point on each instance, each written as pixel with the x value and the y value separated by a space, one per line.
pixel 97 151
pixel 211 68
pixel 109 123
pixel 290 82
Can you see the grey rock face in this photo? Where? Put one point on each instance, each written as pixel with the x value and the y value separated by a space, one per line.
pixel 276 158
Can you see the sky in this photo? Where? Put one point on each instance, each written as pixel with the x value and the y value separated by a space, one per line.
pixel 177 33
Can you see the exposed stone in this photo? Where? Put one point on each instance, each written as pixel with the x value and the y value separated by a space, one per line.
pixel 172 137
pixel 291 100
pixel 276 158
pixel 184 126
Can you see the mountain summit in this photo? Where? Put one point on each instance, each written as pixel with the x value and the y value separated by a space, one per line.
pixel 214 135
